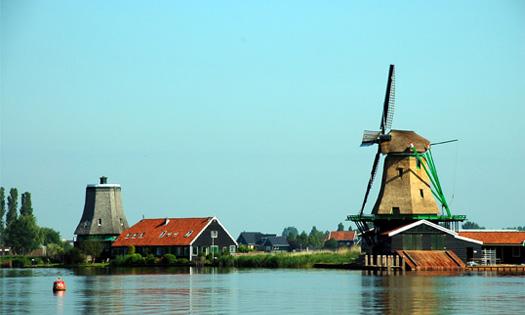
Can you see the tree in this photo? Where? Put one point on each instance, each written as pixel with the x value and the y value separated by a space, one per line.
pixel 49 236
pixel 340 227
pixel 471 226
pixel 316 238
pixel 26 208
pixel 302 240
pixel 350 227
pixel 2 214
pixel 55 252
pixel 12 205
pixel 290 233
pixel 92 248
pixel 23 234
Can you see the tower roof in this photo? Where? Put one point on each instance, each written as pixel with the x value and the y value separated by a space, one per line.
pixel 401 140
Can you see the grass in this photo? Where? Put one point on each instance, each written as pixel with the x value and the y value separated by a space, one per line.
pixel 289 260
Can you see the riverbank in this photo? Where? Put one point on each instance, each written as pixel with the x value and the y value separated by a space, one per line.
pixel 248 260
pixel 289 260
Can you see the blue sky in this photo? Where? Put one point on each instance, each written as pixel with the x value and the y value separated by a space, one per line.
pixel 253 111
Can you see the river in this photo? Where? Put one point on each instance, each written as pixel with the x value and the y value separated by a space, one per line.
pixel 257 291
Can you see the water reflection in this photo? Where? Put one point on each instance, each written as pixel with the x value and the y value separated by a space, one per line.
pixel 210 290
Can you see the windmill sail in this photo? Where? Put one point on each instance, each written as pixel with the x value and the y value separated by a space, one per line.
pixel 388 105
pixel 371 180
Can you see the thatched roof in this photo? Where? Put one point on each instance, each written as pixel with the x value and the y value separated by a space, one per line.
pixel 401 140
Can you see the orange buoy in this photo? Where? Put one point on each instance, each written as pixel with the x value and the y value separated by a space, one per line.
pixel 59 285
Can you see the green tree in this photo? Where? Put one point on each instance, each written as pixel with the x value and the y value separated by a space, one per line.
pixel 290 233
pixel 23 234
pixel 316 238
pixel 302 240
pixel 340 227
pixel 2 214
pixel 55 252
pixel 26 208
pixel 350 227
pixel 471 226
pixel 12 205
pixel 49 236
pixel 92 248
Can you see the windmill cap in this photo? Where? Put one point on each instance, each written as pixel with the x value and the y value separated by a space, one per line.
pixel 403 140
pixel 103 183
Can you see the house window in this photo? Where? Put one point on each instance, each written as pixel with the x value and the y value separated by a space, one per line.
pixel 162 234
pixel 121 223
pixel 188 234
pixel 418 164
pixel 232 248
pixel 395 210
pixel 99 222
pixel 214 249
pixel 421 193
pixel 195 250
pixel 400 172
pixel 516 251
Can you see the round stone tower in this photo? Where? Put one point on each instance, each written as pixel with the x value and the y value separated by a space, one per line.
pixel 103 218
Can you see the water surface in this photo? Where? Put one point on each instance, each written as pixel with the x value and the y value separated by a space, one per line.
pixel 257 291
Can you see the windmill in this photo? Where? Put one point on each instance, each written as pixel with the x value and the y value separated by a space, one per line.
pixel 410 186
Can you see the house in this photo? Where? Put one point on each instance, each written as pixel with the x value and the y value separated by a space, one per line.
pixel 183 237
pixel 274 244
pixel 499 246
pixel 252 239
pixel 425 235
pixel 343 238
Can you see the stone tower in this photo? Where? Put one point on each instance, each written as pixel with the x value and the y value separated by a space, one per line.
pixel 103 218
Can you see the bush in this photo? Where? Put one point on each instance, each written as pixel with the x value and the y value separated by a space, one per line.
pixel 119 261
pixel 134 260
pixel 169 259
pixel 131 250
pixel 150 260
pixel 21 262
pixel 244 249
pixel 74 256
pixel 183 261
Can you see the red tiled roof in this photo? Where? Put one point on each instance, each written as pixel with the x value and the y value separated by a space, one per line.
pixel 341 235
pixel 496 237
pixel 154 232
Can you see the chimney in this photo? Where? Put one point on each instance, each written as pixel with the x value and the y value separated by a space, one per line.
pixel 103 180
pixel 166 221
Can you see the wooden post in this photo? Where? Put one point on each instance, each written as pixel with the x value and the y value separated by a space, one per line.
pixel 390 262
pixel 366 260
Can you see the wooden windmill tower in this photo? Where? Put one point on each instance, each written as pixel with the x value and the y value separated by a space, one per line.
pixel 103 218
pixel 410 188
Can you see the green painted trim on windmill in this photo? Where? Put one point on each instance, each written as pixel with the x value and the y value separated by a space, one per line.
pixel 431 171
